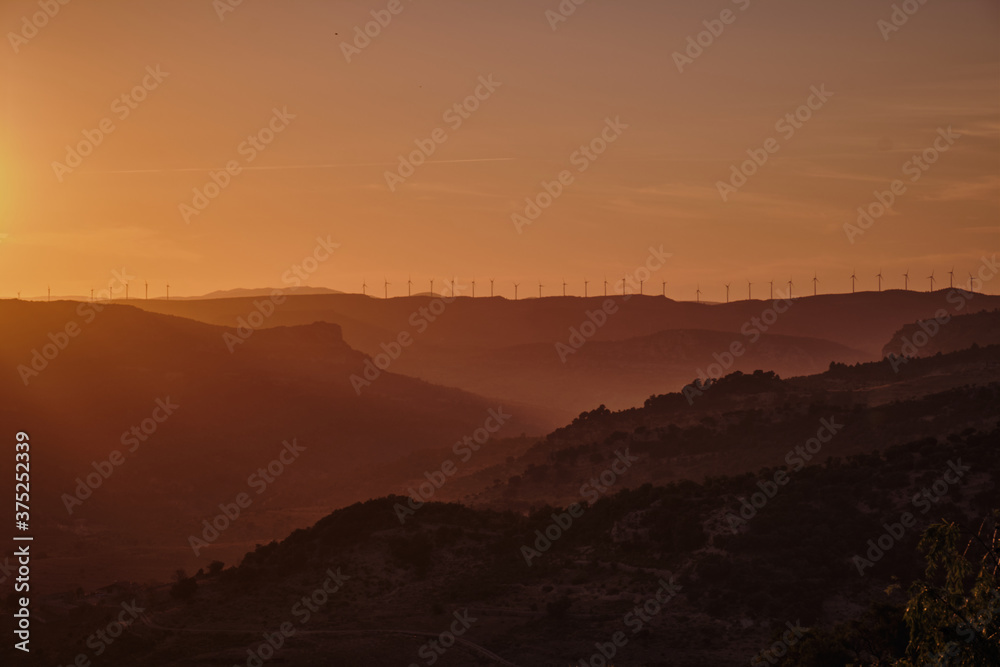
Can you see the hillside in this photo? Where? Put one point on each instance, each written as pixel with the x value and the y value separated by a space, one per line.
pixel 666 567
pixel 191 422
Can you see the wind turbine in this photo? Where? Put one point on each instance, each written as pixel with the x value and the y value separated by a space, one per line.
pixel 91 294
pixel 727 292
pixel 749 291
pixel 931 277
pixel 539 289
pixel 854 279
pixel 147 290
pixel 815 283
pixel 972 284
pixel 515 291
pixel 790 288
pixel 491 287
pixel 664 288
pixel 772 289
pixel 564 287
pixel 906 280
pixel 605 285
pixel 623 287
pixel 409 286
pixel 697 294
pixel 386 287
pixel 364 287
pixel 585 283
pixel 49 297
pixel 879 276
pixel 951 278
pixel 432 287
pixel 168 291
pixel 473 288
pixel 640 287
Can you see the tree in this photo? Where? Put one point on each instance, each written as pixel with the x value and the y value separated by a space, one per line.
pixel 954 613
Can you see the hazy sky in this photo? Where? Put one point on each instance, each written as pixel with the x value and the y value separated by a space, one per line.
pixel 656 184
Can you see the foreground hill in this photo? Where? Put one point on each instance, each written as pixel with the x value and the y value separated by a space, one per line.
pixel 495 347
pixel 157 414
pixel 671 575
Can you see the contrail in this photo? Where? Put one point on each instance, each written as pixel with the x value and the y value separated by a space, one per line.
pixel 300 166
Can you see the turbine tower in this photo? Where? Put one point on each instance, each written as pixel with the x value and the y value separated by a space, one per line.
pixel 432 287
pixel 664 289
pixel 772 289
pixel 906 280
pixel 931 278
pixel 409 286
pixel 790 288
pixel 473 288
pixel 585 283
pixel 727 292
pixel 126 290
pixel 91 294
pixel 972 284
pixel 854 279
pixel 951 278
pixel 815 283
pixel 515 291
pixel 386 287
pixel 749 291
pixel 697 294
pixel 879 276
pixel 623 287
pixel 491 287
pixel 168 291
pixel 364 288
pixel 539 289
pixel 605 285
pixel 564 287
pixel 49 292
pixel 147 290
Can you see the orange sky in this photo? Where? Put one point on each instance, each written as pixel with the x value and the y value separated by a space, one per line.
pixel 324 174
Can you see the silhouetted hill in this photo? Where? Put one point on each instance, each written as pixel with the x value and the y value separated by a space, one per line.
pixel 494 346
pixel 950 333
pixel 192 421
pixel 728 585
